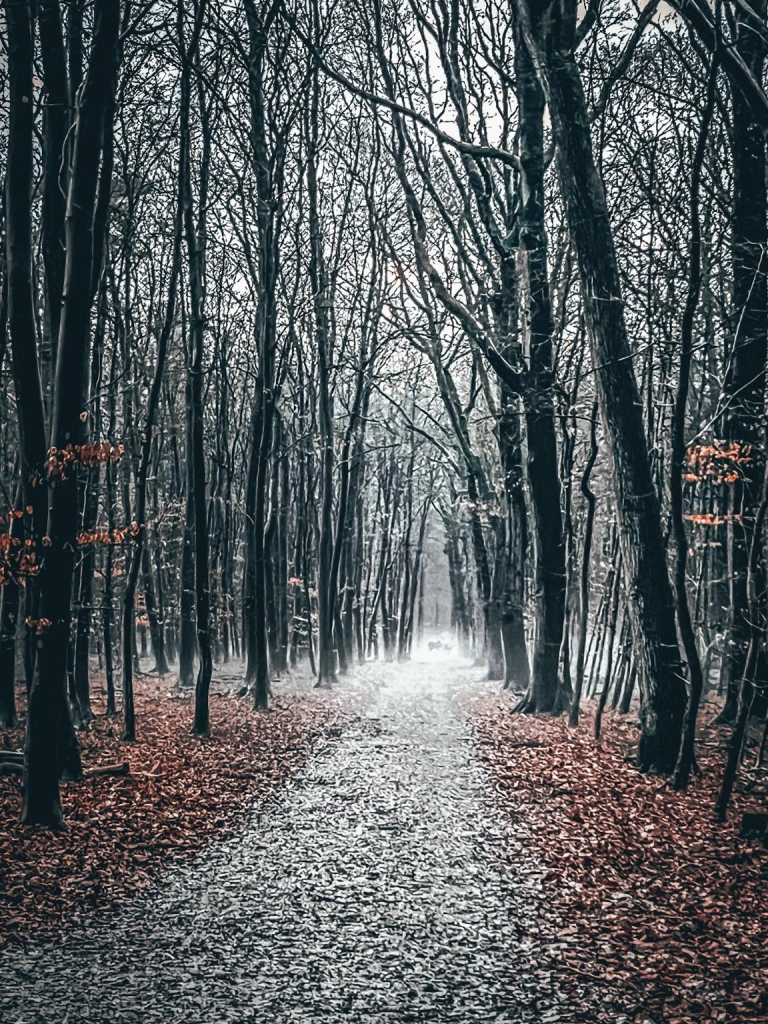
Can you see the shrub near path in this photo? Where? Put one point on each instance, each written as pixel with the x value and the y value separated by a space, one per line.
pixel 653 904
pixel 180 793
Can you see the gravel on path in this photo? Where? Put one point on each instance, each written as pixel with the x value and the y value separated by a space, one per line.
pixel 372 889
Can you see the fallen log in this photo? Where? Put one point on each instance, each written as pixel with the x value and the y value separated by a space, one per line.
pixel 12 755
pixel 11 768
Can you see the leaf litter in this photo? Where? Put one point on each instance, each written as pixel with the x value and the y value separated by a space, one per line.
pixel 372 888
pixel 180 793
pixel 658 911
pixel 420 868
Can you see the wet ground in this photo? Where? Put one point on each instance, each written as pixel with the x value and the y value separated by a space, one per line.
pixel 374 888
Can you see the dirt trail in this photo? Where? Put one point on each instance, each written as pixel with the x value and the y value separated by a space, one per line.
pixel 373 889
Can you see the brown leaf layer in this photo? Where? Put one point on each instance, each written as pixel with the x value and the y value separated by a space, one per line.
pixel 649 903
pixel 180 794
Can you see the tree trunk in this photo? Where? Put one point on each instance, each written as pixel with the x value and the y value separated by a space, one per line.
pixel 154 614
pixel 267 170
pixel 326 591
pixel 544 691
pixel 746 367
pixel 69 430
pixel 21 294
pixel 747 688
pixel 648 586
pixel 195 237
pixel 56 124
pixel 589 525
pixel 517 672
pixel 686 754
pixel 187 630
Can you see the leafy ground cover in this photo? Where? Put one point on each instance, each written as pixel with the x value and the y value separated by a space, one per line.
pixel 180 792
pixel 551 881
pixel 651 902
pixel 371 892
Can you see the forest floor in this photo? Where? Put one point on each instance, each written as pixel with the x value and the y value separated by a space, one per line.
pixel 179 794
pixel 653 910
pixel 435 859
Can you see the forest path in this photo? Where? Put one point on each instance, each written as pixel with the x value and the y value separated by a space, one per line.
pixel 373 888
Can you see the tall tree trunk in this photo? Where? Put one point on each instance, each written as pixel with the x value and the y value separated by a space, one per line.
pixel 137 557
pixel 686 754
pixel 270 548
pixel 194 231
pixel 756 618
pixel 56 124
pixel 281 560
pixel 187 630
pixel 326 592
pixel 746 365
pixel 20 291
pixel 108 595
pixel 459 610
pixel 418 574
pixel 350 469
pixel 651 603
pixel 69 430
pixel 154 615
pixel 267 170
pixel 586 553
pixel 544 691
pixel 90 510
pixel 516 665
pixel 408 580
